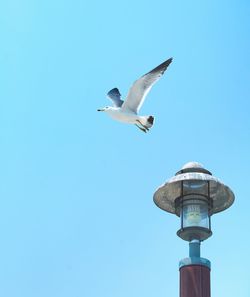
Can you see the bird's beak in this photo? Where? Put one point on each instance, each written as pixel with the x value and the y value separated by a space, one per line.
pixel 100 109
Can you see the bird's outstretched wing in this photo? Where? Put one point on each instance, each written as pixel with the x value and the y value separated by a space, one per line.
pixel 115 97
pixel 140 88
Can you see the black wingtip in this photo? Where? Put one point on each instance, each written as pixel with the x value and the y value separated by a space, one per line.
pixel 162 67
pixel 170 60
pixel 166 63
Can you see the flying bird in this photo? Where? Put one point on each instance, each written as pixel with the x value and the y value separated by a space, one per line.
pixel 127 111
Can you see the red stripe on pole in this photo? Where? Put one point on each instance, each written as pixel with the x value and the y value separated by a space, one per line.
pixel 194 281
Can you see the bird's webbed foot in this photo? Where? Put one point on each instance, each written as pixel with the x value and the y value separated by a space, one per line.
pixel 142 129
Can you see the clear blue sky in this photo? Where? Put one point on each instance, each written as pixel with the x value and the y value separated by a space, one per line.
pixel 76 211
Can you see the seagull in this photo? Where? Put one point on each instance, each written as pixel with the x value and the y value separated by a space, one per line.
pixel 127 111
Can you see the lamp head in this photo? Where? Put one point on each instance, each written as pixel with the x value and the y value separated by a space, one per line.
pixel 194 195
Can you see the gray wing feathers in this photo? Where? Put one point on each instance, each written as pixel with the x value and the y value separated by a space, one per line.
pixel 142 86
pixel 115 97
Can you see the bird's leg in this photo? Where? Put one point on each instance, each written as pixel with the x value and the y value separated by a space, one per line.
pixel 145 127
pixel 144 130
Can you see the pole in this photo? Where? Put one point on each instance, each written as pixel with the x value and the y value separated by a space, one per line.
pixel 194 273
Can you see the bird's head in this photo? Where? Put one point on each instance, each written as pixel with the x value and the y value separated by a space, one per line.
pixel 104 108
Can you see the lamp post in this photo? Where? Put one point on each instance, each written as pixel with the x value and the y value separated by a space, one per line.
pixel 194 195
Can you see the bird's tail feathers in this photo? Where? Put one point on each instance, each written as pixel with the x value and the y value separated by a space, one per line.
pixel 148 121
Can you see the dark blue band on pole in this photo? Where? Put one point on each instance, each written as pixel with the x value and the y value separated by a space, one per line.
pixel 195 261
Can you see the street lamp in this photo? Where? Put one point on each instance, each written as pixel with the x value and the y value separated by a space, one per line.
pixel 194 195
